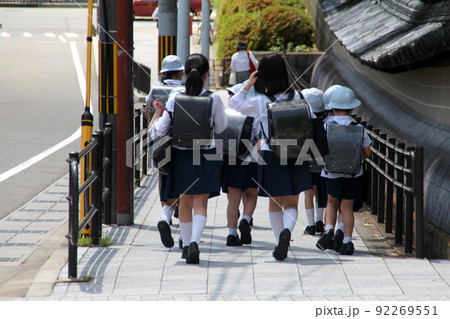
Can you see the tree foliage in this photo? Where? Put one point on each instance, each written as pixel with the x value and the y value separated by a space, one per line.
pixel 264 24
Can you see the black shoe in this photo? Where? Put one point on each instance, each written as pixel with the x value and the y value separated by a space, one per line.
pixel 185 252
pixel 338 238
pixel 245 230
pixel 347 249
pixel 310 230
pixel 180 243
pixel 233 241
pixel 320 227
pixel 170 222
pixel 325 239
pixel 165 233
pixel 193 254
pixel 176 212
pixel 281 251
pixel 251 222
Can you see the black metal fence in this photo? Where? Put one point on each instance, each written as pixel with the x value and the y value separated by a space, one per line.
pixel 396 189
pixel 139 145
pixel 97 185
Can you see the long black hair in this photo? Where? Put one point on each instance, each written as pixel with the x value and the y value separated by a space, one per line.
pixel 272 76
pixel 196 66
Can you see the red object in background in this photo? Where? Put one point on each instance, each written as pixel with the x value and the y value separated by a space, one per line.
pixel 145 8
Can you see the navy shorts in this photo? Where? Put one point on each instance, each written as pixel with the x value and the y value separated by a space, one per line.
pixel 343 188
pixel 282 180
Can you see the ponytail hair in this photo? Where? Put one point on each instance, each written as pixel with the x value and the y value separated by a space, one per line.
pixel 196 66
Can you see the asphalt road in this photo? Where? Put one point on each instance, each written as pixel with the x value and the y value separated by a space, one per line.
pixel 41 102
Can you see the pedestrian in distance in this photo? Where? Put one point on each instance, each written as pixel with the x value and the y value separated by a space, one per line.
pixel 171 76
pixel 193 181
pixel 281 183
pixel 239 182
pixel 343 188
pixel 315 198
pixel 243 62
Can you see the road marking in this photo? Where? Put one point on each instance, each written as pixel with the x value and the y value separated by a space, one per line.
pixel 27 34
pixel 82 83
pixel 63 40
pixel 71 35
pixel 19 168
pixel 5 34
pixel 49 35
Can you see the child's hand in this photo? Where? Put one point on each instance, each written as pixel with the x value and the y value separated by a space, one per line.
pixel 159 107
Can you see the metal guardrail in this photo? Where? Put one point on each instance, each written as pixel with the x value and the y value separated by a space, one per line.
pixel 140 142
pixel 396 189
pixel 98 184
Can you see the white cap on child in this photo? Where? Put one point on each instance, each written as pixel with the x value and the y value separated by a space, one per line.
pixel 343 98
pixel 171 63
pixel 314 97
pixel 327 94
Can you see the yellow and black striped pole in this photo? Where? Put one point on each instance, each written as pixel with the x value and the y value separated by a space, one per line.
pixel 167 30
pixel 87 123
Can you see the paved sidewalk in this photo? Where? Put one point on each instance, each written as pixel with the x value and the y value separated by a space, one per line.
pixel 138 267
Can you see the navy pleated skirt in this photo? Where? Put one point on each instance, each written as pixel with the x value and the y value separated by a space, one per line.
pixel 190 178
pixel 165 191
pixel 238 175
pixel 282 180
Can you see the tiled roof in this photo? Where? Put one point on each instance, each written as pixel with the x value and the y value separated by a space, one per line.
pixel 393 36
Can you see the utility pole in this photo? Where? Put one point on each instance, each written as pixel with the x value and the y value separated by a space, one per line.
pixel 183 29
pixel 125 111
pixel 116 98
pixel 206 29
pixel 167 29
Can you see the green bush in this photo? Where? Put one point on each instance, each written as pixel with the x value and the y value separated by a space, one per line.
pixel 264 24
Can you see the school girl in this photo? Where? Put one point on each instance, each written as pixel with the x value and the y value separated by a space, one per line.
pixel 193 182
pixel 239 182
pixel 342 188
pixel 171 75
pixel 314 97
pixel 281 183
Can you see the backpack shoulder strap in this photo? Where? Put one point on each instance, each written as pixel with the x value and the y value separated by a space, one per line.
pixel 206 93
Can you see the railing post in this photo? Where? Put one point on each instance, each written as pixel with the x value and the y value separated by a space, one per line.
pixel 381 180
pixel 389 187
pixel 399 197
pixel 108 175
pixel 418 194
pixel 73 214
pixel 137 143
pixel 409 205
pixel 96 187
pixel 374 176
pixel 144 145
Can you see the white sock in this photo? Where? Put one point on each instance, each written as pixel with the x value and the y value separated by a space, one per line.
pixel 328 227
pixel 290 218
pixel 167 213
pixel 347 239
pixel 310 216
pixel 186 232
pixel 198 224
pixel 247 218
pixel 340 226
pixel 276 221
pixel 232 231
pixel 319 212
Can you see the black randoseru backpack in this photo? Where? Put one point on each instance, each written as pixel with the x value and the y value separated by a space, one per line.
pixel 162 93
pixel 288 119
pixel 192 121
pixel 345 146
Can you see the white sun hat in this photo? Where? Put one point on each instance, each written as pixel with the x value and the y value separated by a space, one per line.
pixel 314 97
pixel 327 94
pixel 171 63
pixel 343 98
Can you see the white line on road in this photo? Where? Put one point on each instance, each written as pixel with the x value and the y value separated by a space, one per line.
pixel 49 35
pixel 27 34
pixel 82 83
pixel 41 156
pixel 5 34
pixel 63 40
